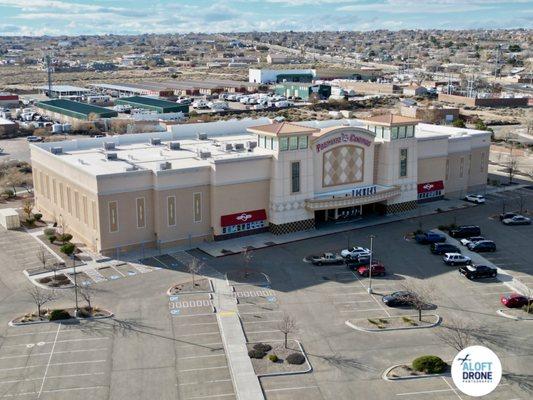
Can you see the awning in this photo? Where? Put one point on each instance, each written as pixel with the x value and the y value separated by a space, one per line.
pixel 346 199
pixel 243 217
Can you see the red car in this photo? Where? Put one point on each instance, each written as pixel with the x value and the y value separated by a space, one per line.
pixel 378 269
pixel 514 300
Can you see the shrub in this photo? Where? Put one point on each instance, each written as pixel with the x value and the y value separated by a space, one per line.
pixel 49 232
pixel 296 358
pixel 263 347
pixel 429 365
pixel 52 238
pixel 84 313
pixel 65 237
pixel 45 280
pixel 9 193
pixel 38 216
pixel 67 248
pixel 56 315
pixel 254 353
pixel 273 358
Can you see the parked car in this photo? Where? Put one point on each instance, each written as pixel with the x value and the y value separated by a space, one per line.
pixel 355 252
pixel 471 239
pixel 517 220
pixel 515 300
pixel 327 259
pixel 507 215
pixel 398 299
pixel 475 198
pixel 482 245
pixel 456 259
pixel 443 248
pixel 430 237
pixel 355 262
pixel 478 271
pixel 378 269
pixel 34 139
pixel 465 231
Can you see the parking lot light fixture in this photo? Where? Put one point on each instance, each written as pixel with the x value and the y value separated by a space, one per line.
pixel 370 265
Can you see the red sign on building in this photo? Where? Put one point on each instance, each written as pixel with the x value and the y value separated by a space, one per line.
pixel 243 218
pixel 430 186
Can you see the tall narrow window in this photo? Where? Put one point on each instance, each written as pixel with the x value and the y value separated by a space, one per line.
pixel 302 142
pixel 482 162
pixel 394 132
pixel 197 200
pixel 69 200
pixel 461 167
pixel 61 196
pixel 171 211
pixel 141 218
pixel 295 177
pixel 284 143
pixel 47 187
pixel 54 190
pixel 84 209
pixel 469 163
pixel 41 181
pixel 93 206
pixel 403 163
pixel 293 143
pixel 447 168
pixel 77 204
pixel 113 216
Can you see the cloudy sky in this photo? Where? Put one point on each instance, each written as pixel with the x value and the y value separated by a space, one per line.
pixel 74 17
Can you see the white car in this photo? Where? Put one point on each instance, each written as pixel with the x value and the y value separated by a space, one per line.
pixel 475 198
pixel 517 220
pixel 355 252
pixel 456 259
pixel 471 239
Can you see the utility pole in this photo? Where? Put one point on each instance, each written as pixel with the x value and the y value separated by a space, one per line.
pixel 370 265
pixel 75 283
pixel 49 73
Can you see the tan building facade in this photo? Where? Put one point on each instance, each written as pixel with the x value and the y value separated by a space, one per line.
pixel 173 188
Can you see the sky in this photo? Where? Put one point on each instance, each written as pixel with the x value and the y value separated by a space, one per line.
pixel 86 17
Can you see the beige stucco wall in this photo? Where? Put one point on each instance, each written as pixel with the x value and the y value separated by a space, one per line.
pixel 431 169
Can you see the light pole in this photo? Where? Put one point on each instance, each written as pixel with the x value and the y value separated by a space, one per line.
pixel 370 265
pixel 75 284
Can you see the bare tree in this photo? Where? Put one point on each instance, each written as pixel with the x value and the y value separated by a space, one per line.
pixel 247 257
pixel 194 268
pixel 87 293
pixel 41 296
pixel 456 333
pixel 511 167
pixel 417 297
pixel 286 326
pixel 27 207
pixel 54 267
pixel 41 256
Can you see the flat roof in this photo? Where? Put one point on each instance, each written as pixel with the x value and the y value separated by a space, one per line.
pixel 75 108
pixel 150 101
pixel 282 129
pixel 65 88
pixel 390 120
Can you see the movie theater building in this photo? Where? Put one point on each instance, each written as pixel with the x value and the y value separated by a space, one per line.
pixel 227 179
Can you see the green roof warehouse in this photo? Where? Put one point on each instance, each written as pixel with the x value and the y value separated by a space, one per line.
pixel 68 110
pixel 152 104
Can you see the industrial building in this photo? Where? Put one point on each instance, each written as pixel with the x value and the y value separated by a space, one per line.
pixel 302 91
pixel 280 75
pixel 63 91
pixel 9 100
pixel 152 104
pixel 219 180
pixel 133 89
pixel 71 111
pixel 484 101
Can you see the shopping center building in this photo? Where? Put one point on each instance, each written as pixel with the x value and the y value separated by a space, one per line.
pixel 214 181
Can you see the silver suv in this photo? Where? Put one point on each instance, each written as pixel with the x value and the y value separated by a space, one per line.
pixel 456 259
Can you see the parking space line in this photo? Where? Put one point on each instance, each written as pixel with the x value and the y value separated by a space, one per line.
pixel 204 382
pixel 451 387
pixel 116 269
pixel 49 360
pixel 209 355
pixel 53 364
pixel 491 293
pixel 50 377
pixel 203 323
pixel 371 295
pixel 261 331
pixel 199 344
pixel 367 309
pixel 424 392
pixel 61 341
pixel 351 302
pixel 69 330
pixel 290 388
pixel 202 369
pixel 71 389
pixel 199 334
pixel 211 396
pixel 260 312
pixel 261 322
pixel 193 315
pixel 57 352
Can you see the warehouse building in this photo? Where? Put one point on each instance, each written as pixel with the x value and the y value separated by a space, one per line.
pixel 64 91
pixel 132 89
pixel 256 75
pixel 72 111
pixel 220 180
pixel 9 100
pixel 152 104
pixel 302 91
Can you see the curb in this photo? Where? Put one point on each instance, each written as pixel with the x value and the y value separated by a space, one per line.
pixel 439 320
pixel 309 367
pixel 407 378
pixel 502 313
pixel 199 292
pixel 18 324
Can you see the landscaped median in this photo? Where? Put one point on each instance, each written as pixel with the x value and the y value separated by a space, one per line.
pixel 518 314
pixel 421 367
pixel 394 323
pixel 61 314
pixel 275 358
pixel 202 285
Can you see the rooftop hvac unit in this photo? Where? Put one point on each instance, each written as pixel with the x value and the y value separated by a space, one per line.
pixel 164 166
pixel 132 168
pixel 204 154
pixel 251 145
pixel 229 146
pixel 155 141
pixel 174 146
pixel 239 146
pixel 56 150
pixel 202 136
pixel 109 145
pixel 111 156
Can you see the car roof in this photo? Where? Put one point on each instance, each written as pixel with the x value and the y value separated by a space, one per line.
pixel 452 254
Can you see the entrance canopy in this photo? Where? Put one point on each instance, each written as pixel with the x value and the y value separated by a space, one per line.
pixel 352 197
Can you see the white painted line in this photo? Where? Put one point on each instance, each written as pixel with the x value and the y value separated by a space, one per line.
pixel 75 375
pixel 49 359
pixel 259 322
pixel 116 269
pixel 378 303
pixel 424 392
pixel 72 389
pixel 53 364
pixel 61 341
pixel 211 396
pixel 202 369
pixel 491 293
pixel 291 388
pixel 202 323
pixel 198 334
pixel 352 302
pixel 350 294
pixel 260 312
pixel 69 330
pixel 451 387
pixel 57 352
pixel 262 332
pixel 18 394
pixel 368 309
pixel 192 315
pixel 204 382
pixel 199 344
pixel 210 355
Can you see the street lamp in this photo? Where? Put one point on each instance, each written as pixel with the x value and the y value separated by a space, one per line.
pixel 370 265
pixel 75 283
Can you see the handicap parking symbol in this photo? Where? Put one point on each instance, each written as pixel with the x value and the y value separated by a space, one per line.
pixel 174 298
pixel 113 277
pixel 271 299
pixel 175 312
pixel 131 273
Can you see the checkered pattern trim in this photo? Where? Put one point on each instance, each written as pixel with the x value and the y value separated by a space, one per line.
pixel 343 165
pixel 295 226
pixel 401 207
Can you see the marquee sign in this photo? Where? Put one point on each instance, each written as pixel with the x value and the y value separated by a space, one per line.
pixel 243 217
pixel 343 138
pixel 430 186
